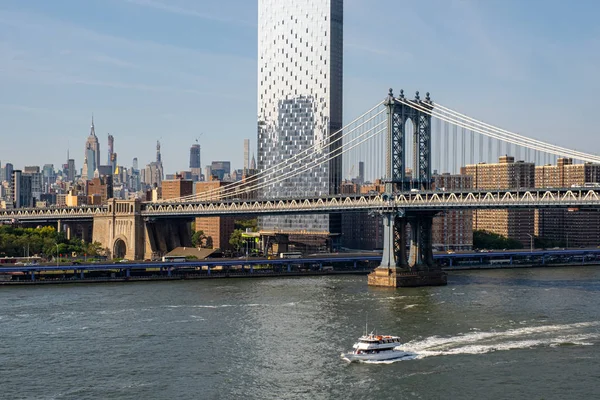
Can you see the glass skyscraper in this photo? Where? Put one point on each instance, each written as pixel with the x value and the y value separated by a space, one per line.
pixel 300 74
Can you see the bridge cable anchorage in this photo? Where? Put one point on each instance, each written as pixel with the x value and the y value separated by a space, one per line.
pixel 243 187
pixel 499 134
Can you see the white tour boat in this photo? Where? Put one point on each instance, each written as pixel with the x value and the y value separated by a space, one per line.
pixel 376 348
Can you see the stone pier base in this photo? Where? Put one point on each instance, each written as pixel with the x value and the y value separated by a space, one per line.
pixel 396 277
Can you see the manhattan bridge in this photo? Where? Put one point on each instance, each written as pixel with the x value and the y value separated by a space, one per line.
pixel 400 141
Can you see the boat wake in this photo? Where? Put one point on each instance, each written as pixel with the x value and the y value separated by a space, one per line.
pixel 478 342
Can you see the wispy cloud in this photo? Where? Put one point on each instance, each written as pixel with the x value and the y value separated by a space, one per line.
pixel 117 62
pixel 175 9
pixel 32 56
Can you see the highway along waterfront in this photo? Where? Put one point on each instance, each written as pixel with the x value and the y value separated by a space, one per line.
pixel 490 334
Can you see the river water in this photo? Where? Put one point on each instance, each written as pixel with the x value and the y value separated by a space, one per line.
pixel 501 334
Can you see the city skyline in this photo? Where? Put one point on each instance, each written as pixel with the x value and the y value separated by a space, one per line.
pixel 119 70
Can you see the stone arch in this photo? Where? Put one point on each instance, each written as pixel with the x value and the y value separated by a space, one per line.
pixel 119 247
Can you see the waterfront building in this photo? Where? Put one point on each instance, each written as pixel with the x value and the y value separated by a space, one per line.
pixel 217 229
pixel 506 174
pixel 453 230
pixel 362 231
pixel 572 227
pixel 300 71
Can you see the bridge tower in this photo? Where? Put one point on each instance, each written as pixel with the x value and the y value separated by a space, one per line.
pixel 396 269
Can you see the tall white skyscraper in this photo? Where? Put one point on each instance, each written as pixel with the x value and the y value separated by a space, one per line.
pixel 300 76
pixel 246 154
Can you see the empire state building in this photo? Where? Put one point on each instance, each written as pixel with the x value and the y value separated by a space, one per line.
pixel 92 154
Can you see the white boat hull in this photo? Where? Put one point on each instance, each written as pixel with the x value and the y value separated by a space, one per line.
pixel 381 356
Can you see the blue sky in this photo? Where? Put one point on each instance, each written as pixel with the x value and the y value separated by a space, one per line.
pixel 176 69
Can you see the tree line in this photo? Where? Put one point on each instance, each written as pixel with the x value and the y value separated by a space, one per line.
pixel 42 242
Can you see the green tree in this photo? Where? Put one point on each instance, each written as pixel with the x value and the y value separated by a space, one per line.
pixel 236 239
pixel 199 239
pixel 494 241
pixel 244 224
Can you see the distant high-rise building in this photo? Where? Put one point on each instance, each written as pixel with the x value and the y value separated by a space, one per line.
pixel 21 190
pixel 300 71
pixel 246 154
pixel 135 163
pixel 8 172
pixel 361 172
pixel 220 169
pixel 195 161
pixel 154 174
pixel 111 147
pixel 71 170
pixel 158 156
pixel 36 182
pixel 92 154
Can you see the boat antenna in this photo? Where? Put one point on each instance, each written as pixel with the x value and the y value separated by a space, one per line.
pixel 366 323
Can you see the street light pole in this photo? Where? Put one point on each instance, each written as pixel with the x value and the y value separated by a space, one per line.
pixel 531 242
pixel 57 254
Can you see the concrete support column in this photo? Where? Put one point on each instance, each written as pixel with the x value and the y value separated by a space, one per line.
pixel 85 233
pixel 421 247
pixel 400 242
pixel 415 258
pixel 67 229
pixel 388 260
pixel 59 226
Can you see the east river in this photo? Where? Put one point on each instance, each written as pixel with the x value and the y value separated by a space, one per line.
pixel 509 334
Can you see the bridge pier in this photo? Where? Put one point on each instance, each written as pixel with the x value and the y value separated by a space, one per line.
pixel 395 270
pixel 419 270
pixel 421 246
